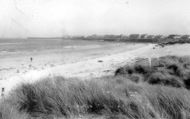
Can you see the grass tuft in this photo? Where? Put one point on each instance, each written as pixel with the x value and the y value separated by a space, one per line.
pixel 168 70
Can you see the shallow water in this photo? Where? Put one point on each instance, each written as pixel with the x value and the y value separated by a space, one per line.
pixel 14 45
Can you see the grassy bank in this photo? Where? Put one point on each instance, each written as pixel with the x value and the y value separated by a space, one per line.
pixel 169 71
pixel 105 98
pixel 138 91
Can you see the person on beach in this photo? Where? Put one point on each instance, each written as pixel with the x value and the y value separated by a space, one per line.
pixel 30 65
pixel 2 92
pixel 31 59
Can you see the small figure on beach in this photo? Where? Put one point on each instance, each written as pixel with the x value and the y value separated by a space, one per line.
pixel 30 65
pixel 31 59
pixel 2 92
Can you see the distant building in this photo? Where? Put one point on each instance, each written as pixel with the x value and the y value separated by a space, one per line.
pixel 150 37
pixel 124 37
pixel 160 37
pixel 185 37
pixel 134 36
pixel 143 36
pixel 112 37
pixel 173 36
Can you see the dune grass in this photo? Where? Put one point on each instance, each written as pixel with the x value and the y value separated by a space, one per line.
pixel 139 91
pixel 104 98
pixel 168 70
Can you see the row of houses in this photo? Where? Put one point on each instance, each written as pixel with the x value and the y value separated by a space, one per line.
pixel 132 37
pixel 146 36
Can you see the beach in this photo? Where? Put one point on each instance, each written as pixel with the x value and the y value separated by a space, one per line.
pixel 72 60
pixel 77 61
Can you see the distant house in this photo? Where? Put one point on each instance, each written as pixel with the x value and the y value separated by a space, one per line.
pixel 94 37
pixel 134 36
pixel 185 37
pixel 150 37
pixel 112 37
pixel 160 37
pixel 173 36
pixel 124 37
pixel 143 36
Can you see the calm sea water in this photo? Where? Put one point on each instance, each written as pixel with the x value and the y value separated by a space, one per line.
pixel 14 45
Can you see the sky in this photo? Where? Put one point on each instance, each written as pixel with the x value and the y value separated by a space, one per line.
pixel 55 18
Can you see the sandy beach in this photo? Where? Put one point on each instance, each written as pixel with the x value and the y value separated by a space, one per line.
pixel 86 62
pixel 70 61
pixel 19 62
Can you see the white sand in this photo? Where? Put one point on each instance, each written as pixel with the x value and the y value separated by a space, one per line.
pixel 84 69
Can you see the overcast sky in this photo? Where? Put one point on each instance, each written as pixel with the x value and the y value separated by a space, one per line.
pixel 22 18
